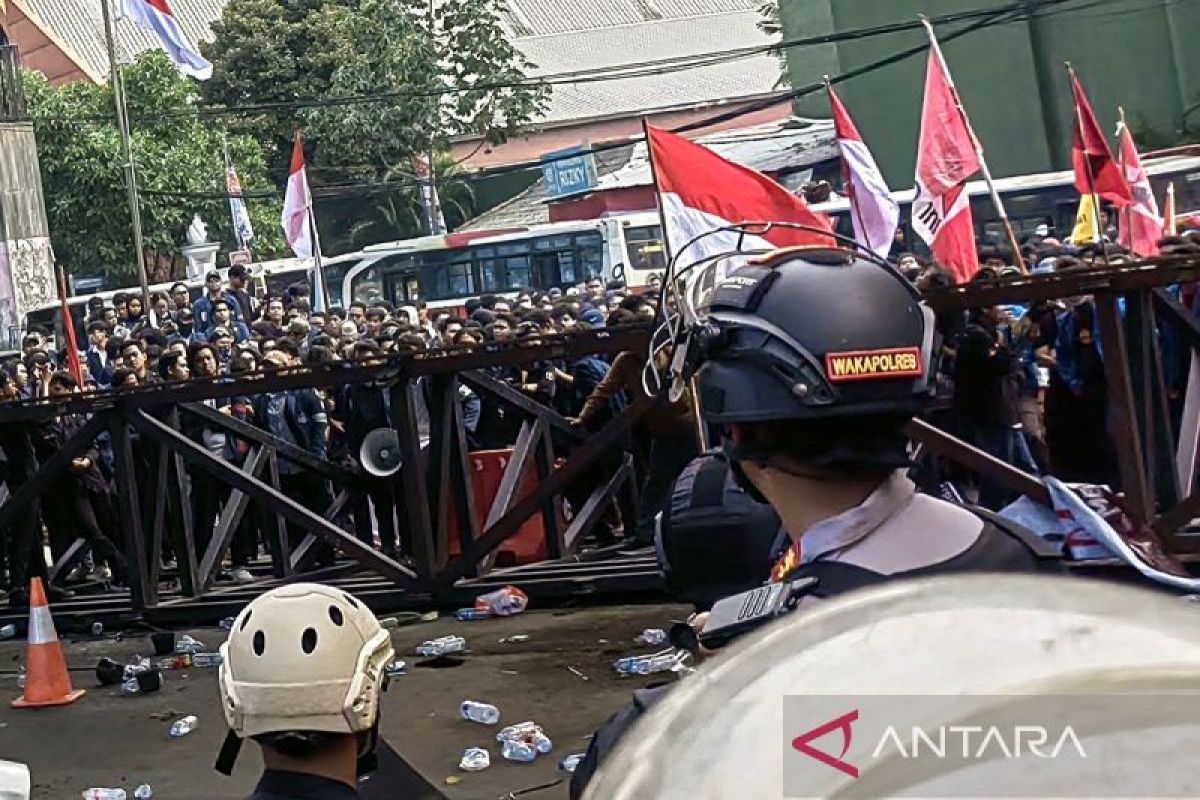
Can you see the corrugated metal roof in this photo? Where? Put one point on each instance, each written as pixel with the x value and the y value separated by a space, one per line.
pixel 556 35
pixel 785 146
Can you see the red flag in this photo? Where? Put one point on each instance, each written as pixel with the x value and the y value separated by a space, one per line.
pixel 1141 225
pixel 1096 171
pixel 946 158
pixel 699 191
pixel 876 214
pixel 296 204
pixel 68 325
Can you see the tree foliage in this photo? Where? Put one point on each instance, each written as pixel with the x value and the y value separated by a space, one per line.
pixel 175 152
pixel 433 70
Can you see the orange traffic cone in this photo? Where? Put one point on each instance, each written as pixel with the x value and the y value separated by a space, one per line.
pixel 46 680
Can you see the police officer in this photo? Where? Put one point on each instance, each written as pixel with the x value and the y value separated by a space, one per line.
pixel 812 364
pixel 303 670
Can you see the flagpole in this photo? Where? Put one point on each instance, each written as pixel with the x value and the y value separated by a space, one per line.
pixel 850 188
pixel 668 284
pixel 118 88
pixel 1019 261
pixel 237 233
pixel 1087 165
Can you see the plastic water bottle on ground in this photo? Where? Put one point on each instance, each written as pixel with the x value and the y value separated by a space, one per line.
pixel 8 631
pixel 517 750
pixel 472 614
pixel 394 669
pixel 181 661
pixel 183 727
pixel 570 763
pixel 483 713
pixel 97 629
pixel 186 644
pixel 143 792
pixel 519 731
pixel 503 602
pixel 442 646
pixel 207 659
pixel 475 759
pixel 651 636
pixel 227 623
pixel 130 686
pixel 103 794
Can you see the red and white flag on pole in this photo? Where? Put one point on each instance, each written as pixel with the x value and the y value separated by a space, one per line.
pixel 874 213
pixel 946 158
pixel 1142 224
pixel 297 204
pixel 157 17
pixel 698 191
pixel 1096 171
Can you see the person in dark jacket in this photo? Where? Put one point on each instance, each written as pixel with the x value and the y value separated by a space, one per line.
pixel 366 408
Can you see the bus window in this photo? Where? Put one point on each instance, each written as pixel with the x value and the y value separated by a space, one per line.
pixel 644 247
pixel 447 274
pixel 590 247
pixel 335 275
pixel 368 286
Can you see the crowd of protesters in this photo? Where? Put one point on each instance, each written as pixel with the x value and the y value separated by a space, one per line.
pixel 227 331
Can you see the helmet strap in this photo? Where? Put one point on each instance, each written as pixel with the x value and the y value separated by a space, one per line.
pixel 229 753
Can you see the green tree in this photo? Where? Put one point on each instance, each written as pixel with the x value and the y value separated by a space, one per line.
pixel 177 154
pixel 433 71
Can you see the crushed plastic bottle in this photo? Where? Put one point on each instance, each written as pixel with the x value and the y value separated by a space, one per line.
pixel 475 759
pixel 103 794
pixel 97 629
pixel 483 713
pixel 130 686
pixel 182 727
pixel 663 661
pixel 207 659
pixel 521 730
pixel 389 622
pixel 227 623
pixel 570 763
pixel 186 644
pixel 503 602
pixel 442 646
pixel 651 636
pixel 516 638
pixel 541 742
pixel 8 631
pixel 472 614
pixel 143 792
pixel 517 750
pixel 394 669
pixel 139 665
pixel 21 679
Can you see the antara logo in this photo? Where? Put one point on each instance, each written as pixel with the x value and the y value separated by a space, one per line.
pixel 842 723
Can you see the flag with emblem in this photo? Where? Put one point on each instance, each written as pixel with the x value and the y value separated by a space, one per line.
pixel 1141 224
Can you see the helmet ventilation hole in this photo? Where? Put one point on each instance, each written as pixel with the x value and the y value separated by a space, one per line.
pixel 351 600
pixel 260 643
pixel 335 614
pixel 245 620
pixel 308 642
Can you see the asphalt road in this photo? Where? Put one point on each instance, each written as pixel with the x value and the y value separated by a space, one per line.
pixel 107 739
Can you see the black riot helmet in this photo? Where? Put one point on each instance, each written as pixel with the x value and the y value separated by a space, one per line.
pixel 835 347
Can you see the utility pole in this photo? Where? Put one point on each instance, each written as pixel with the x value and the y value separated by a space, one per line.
pixel 118 88
pixel 429 192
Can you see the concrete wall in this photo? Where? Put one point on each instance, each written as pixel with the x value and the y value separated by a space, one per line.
pixel 26 258
pixel 1011 77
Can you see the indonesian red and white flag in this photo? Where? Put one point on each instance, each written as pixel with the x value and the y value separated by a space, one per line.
pixel 297 203
pixel 873 211
pixel 946 158
pixel 1096 171
pixel 1141 223
pixel 700 192
pixel 157 17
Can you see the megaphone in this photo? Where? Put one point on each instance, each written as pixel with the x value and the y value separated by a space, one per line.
pixel 380 452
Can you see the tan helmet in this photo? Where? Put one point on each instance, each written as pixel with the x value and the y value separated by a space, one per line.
pixel 303 657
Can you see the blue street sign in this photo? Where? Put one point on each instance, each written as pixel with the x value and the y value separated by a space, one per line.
pixel 569 171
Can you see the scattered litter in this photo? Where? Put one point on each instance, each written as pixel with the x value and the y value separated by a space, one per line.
pixel 503 602
pixel 109 672
pixel 103 794
pixel 651 636
pixel 569 763
pixel 181 661
pixel 523 742
pixel 183 727
pixel 186 644
pixel 143 792
pixel 395 669
pixel 483 713
pixel 669 660
pixel 389 622
pixel 442 646
pixel 602 641
pixel 451 780
pixel 21 680
pixel 227 623
pixel 472 614
pixel 429 616
pixel 514 639
pixel 577 672
pixel 140 677
pixel 475 759
pixel 97 629
pixel 8 631
pixel 509 672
